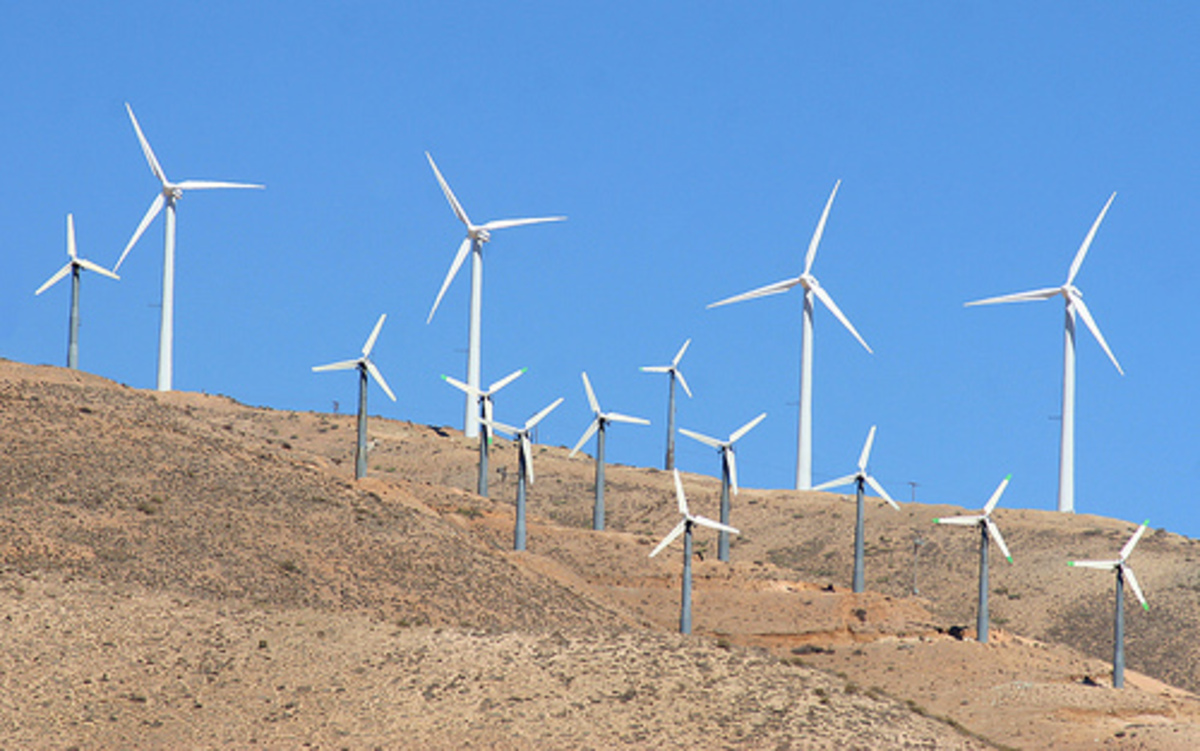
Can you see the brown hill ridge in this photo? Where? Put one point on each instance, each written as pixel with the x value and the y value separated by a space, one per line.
pixel 182 570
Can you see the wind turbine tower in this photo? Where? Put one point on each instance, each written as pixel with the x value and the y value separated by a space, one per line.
pixel 728 473
pixel 74 266
pixel 812 289
pixel 860 479
pixel 168 197
pixel 599 423
pixel 1074 305
pixel 675 375
pixel 477 235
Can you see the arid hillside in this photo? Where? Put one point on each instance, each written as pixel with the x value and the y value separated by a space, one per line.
pixel 181 570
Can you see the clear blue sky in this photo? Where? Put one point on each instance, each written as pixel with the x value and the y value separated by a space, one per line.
pixel 692 146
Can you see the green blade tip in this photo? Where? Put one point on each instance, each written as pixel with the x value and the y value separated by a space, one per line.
pixel 1145 607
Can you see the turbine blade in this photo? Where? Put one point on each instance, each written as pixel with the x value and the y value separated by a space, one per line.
pixel 1033 294
pixel 1102 565
pixel 155 207
pixel 882 493
pixel 527 452
pixel 366 350
pixel 374 371
pixel 618 417
pixel 1090 322
pixel 731 458
pixel 459 257
pixel 85 263
pixel 211 184
pixel 962 521
pixel 1087 241
pixel 679 355
pixel 54 279
pixel 506 223
pixel 454 204
pixel 500 427
pixel 1133 584
pixel 591 429
pixel 1133 541
pixel 704 521
pixel 466 389
pixel 770 289
pixel 341 365
pixel 591 395
pixel 736 435
pixel 541 415
pixel 683 382
pixel 991 504
pixel 839 482
pixel 866 450
pixel 994 531
pixel 149 152
pixel 680 497
pixel 811 255
pixel 833 308
pixel 506 380
pixel 655 368
pixel 671 537
pixel 71 237
pixel 702 438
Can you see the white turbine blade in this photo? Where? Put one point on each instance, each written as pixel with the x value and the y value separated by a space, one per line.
pixel 71 251
pixel 1102 565
pixel 586 435
pixel 466 389
pixel 770 289
pixel 85 263
pixel 506 223
pixel 1090 322
pixel 671 537
pixel 1133 584
pixel 679 355
pixel 454 204
pixel 488 408
pixel 374 371
pixel 994 531
pixel 500 427
pixel 824 297
pixel 702 438
pixel 54 279
pixel 811 255
pixel 866 450
pixel 506 380
pixel 736 435
pixel 962 521
pixel 459 257
pixel 366 350
pixel 618 417
pixel 683 382
pixel 527 452
pixel 839 482
pixel 212 184
pixel 991 504
pixel 150 158
pixel 1133 541
pixel 731 458
pixel 591 395
pixel 155 207
pixel 1031 295
pixel 655 368
pixel 680 497
pixel 341 365
pixel 541 415
pixel 704 521
pixel 1087 241
pixel 882 493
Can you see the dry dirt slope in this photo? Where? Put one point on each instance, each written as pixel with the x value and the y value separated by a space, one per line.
pixel 183 571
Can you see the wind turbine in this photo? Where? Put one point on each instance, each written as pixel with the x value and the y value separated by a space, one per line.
pixel 1074 304
pixel 477 235
pixel 599 423
pixel 169 195
pixel 484 399
pixel 684 528
pixel 812 288
pixel 74 267
pixel 987 528
pixel 676 375
pixel 1124 573
pixel 524 463
pixel 861 479
pixel 364 365
pixel 728 473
